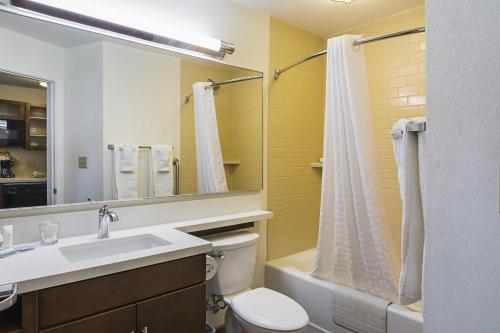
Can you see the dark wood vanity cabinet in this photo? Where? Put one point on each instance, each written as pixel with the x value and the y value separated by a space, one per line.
pixel 119 320
pixel 168 297
pixel 176 312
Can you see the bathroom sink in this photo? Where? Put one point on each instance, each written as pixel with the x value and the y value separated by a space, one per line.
pixel 111 247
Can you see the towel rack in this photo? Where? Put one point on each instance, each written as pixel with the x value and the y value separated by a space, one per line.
pixel 112 147
pixel 177 169
pixel 416 127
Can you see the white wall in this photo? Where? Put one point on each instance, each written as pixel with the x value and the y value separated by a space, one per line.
pixel 462 267
pixel 141 105
pixel 84 125
pixel 116 94
pixel 28 56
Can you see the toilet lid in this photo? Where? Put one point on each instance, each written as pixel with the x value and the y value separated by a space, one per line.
pixel 269 309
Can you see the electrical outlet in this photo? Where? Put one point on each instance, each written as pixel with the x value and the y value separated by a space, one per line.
pixel 82 162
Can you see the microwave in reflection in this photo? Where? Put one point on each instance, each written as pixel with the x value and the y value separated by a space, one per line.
pixel 12 133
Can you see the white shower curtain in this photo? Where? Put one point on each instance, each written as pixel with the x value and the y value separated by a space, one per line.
pixel 209 164
pixel 350 248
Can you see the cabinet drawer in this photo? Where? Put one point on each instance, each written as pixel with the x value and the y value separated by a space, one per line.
pixel 118 321
pixel 77 300
pixel 182 311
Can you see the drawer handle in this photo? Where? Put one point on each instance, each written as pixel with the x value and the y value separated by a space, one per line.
pixel 144 330
pixel 11 300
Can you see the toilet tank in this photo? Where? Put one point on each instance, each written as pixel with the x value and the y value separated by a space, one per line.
pixel 236 254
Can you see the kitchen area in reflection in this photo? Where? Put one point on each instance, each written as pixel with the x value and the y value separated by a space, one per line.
pixel 23 141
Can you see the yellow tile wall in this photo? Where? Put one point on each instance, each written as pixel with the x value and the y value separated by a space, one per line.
pixel 396 74
pixel 247 128
pixel 295 139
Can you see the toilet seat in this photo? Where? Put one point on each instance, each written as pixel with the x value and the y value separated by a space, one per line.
pixel 270 310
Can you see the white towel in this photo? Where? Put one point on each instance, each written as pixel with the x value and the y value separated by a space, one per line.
pixel 127 157
pixel 161 170
pixel 359 311
pixel 409 153
pixel 126 161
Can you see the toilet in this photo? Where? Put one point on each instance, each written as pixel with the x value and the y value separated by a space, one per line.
pixel 259 310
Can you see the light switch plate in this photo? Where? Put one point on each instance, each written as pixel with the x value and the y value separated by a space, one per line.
pixel 82 162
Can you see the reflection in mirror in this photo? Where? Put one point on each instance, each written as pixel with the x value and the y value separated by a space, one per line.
pixel 86 117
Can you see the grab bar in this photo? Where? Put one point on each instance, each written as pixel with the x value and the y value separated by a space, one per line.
pixel 10 300
pixel 177 167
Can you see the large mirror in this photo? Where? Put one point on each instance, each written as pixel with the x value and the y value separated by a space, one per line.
pixel 85 117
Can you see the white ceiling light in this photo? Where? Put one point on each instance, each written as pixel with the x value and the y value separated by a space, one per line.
pixel 95 14
pixel 43 84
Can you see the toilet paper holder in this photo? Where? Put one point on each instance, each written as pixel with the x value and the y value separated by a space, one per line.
pixel 210 267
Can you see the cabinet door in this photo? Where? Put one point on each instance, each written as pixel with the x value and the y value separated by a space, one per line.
pixel 180 312
pixel 12 109
pixel 122 320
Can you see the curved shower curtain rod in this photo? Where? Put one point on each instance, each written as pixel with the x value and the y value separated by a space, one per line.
pixel 278 72
pixel 216 85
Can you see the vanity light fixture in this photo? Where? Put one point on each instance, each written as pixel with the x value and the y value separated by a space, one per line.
pixel 97 17
pixel 43 84
pixel 346 2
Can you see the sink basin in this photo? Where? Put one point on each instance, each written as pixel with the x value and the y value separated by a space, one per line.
pixel 111 247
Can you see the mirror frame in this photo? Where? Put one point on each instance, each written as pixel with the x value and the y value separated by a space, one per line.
pixel 95 205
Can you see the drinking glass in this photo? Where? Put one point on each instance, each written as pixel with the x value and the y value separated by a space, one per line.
pixel 49 232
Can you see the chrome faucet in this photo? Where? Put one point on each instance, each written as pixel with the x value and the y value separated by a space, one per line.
pixel 105 217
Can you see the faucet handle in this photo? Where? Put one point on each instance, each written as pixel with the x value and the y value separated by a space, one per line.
pixel 113 217
pixel 104 210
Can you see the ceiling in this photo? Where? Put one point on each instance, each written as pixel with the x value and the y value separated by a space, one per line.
pixel 18 81
pixel 328 18
pixel 50 33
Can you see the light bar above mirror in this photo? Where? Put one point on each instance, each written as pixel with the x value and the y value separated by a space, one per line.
pixel 98 17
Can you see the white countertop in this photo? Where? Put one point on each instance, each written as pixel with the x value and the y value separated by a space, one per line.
pixel 221 221
pixel 46 266
pixel 22 180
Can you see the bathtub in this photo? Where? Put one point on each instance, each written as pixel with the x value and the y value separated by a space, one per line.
pixel 290 276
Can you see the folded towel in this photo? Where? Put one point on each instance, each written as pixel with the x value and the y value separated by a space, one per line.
pixel 409 154
pixel 359 311
pixel 126 161
pixel 127 157
pixel 162 157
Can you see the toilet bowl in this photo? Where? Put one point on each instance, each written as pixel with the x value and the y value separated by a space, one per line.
pixel 259 310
